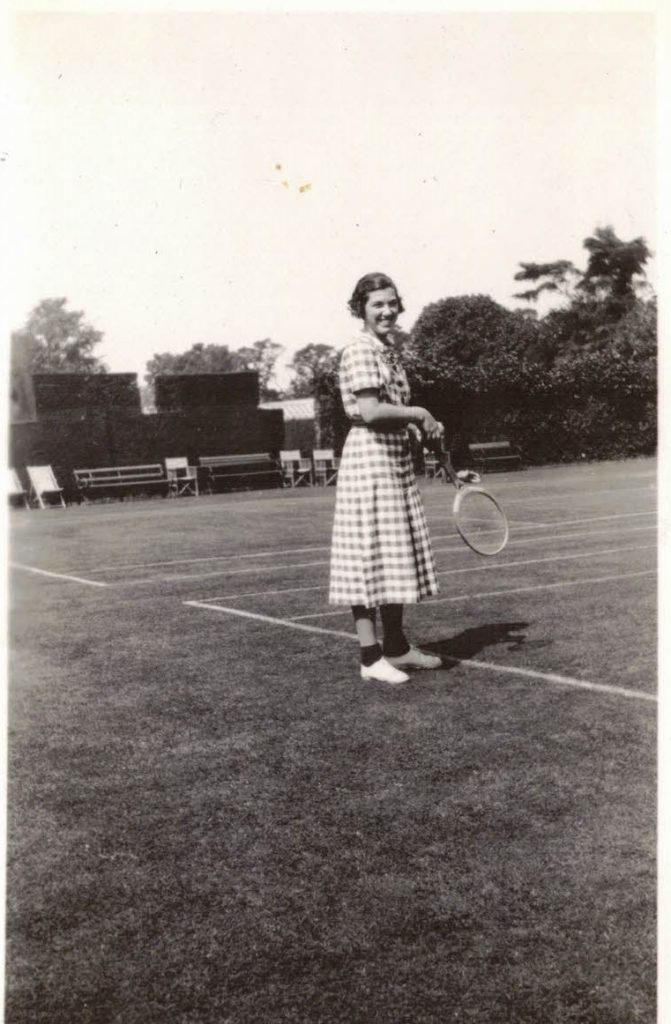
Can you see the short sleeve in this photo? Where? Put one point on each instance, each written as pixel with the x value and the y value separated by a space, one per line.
pixel 359 369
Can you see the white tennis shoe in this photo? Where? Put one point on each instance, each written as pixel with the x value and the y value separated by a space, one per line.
pixel 382 671
pixel 414 658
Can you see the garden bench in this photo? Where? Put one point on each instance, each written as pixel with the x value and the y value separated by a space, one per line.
pixel 494 455
pixel 248 469
pixel 119 478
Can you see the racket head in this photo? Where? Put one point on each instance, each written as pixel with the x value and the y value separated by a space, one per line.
pixel 480 520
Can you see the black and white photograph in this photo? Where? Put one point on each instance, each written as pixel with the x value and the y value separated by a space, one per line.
pixel 332 421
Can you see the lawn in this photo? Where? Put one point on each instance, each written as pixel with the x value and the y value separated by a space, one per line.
pixel 212 819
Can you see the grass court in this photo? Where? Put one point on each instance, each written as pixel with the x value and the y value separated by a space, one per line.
pixel 213 820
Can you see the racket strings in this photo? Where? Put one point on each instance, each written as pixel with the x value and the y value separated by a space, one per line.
pixel 481 522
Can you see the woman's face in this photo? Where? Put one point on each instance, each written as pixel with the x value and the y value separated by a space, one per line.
pixel 381 312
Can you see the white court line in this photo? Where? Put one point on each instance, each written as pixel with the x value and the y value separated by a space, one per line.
pixel 559 524
pixel 457 545
pixel 57 575
pixel 497 566
pixel 267 618
pixel 265 593
pixel 592 519
pixel 497 593
pixel 550 677
pixel 205 558
pixel 256 505
pixel 222 572
pixel 510 488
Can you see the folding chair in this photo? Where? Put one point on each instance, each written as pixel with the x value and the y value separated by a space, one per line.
pixel 15 489
pixel 44 487
pixel 326 466
pixel 295 469
pixel 182 478
pixel 432 467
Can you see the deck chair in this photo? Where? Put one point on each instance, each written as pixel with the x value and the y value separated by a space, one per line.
pixel 15 490
pixel 295 469
pixel 44 489
pixel 182 478
pixel 326 466
pixel 432 467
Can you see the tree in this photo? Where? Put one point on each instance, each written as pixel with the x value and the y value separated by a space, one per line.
pixel 307 365
pixel 614 268
pixel 261 356
pixel 466 330
pixel 199 358
pixel 56 340
pixel 560 277
pixel 614 272
pixel 598 299
pixel 635 335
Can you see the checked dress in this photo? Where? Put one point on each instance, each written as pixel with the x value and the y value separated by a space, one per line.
pixel 380 551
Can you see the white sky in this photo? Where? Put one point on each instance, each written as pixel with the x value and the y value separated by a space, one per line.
pixel 441 148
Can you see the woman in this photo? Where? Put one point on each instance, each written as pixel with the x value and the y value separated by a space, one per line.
pixel 381 554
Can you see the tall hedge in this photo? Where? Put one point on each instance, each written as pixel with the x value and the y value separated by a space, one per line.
pixel 599 406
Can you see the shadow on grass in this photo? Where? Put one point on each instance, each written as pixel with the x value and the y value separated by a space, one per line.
pixel 470 642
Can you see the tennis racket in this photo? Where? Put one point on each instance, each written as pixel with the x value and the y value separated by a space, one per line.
pixel 479 518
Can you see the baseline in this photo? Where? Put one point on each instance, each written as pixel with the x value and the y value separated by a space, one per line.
pixel 559 524
pixel 499 593
pixel 550 677
pixel 57 575
pixel 487 567
pixel 457 545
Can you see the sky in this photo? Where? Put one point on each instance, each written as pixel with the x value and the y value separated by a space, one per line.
pixel 227 177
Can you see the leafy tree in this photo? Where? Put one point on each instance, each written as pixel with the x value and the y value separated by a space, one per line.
pixel 560 277
pixel 199 358
pixel 308 364
pixel 598 299
pixel 53 340
pixel 261 356
pixel 614 268
pixel 614 271
pixel 635 335
pixel 465 331
pixel 56 340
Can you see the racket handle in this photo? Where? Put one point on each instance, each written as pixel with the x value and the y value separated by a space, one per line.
pixel 437 445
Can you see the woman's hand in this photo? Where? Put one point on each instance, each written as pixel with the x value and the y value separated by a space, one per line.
pixel 432 429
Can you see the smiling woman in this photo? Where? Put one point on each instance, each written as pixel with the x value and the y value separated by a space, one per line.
pixel 381 554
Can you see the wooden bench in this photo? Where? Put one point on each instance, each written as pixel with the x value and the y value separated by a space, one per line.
pixel 242 470
pixel 494 455
pixel 116 479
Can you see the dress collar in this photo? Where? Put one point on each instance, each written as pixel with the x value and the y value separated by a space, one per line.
pixel 379 346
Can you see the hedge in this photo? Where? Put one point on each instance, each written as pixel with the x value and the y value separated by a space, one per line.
pixel 595 408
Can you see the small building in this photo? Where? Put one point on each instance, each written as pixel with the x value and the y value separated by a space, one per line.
pixel 300 426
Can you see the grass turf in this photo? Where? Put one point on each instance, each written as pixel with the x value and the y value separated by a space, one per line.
pixel 212 820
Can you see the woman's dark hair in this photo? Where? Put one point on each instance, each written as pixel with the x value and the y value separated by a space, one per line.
pixel 367 284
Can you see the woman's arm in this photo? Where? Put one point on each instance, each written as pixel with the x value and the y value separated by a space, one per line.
pixel 381 414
